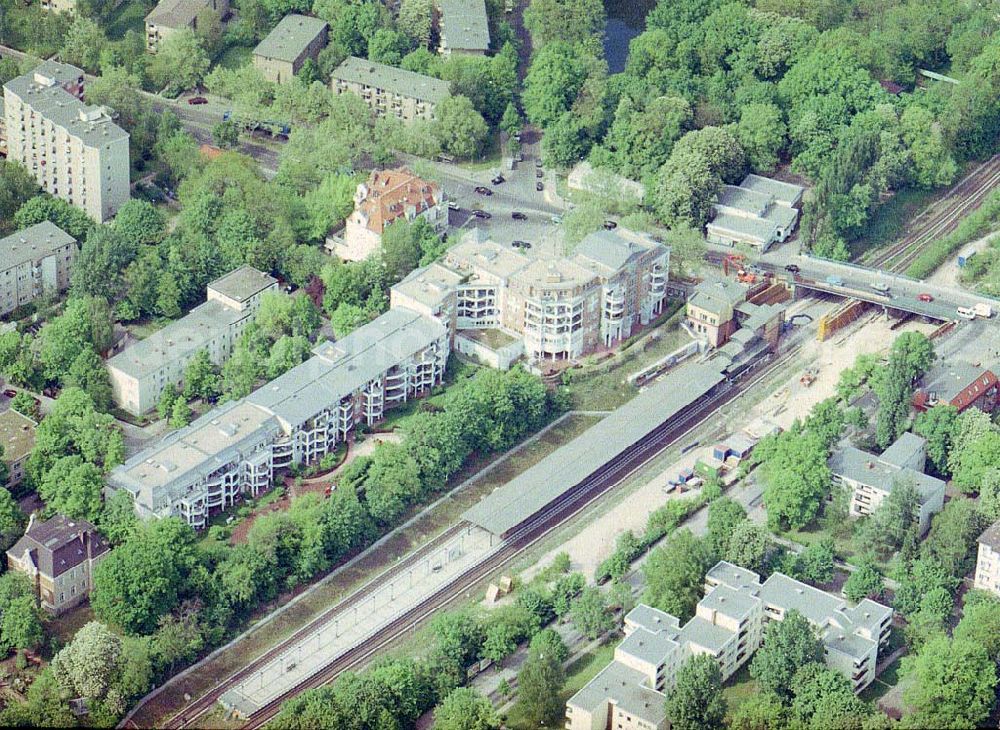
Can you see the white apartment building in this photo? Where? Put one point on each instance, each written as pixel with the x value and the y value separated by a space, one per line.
pixel 34 261
pixel 988 560
pixel 75 151
pixel 141 371
pixel 297 418
pixel 728 625
pixel 871 478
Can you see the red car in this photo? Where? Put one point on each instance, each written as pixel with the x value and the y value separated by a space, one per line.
pixel 925 297
pixel 196 100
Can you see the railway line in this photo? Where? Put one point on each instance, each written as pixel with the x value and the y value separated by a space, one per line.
pixel 964 197
pixel 522 539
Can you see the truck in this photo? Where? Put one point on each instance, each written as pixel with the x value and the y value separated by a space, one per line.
pixel 982 309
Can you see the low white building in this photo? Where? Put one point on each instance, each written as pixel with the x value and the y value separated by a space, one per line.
pixel 988 560
pixel 757 212
pixel 141 371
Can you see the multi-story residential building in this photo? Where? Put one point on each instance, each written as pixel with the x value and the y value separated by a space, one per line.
pixel 34 261
pixel 238 447
pixel 728 625
pixel 75 151
pixel 171 16
pixel 431 291
pixel 961 385
pixel 140 372
pixel 390 91
pixel 294 40
pixel 384 198
pixel 871 478
pixel 463 27
pixel 505 303
pixel 758 212
pixel 59 556
pixel 988 560
pixel 17 437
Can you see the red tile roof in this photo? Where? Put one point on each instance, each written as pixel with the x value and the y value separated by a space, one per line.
pixel 389 194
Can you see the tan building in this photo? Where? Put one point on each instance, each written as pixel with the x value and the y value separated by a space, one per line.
pixel 385 197
pixel 463 27
pixel 17 436
pixel 988 560
pixel 388 90
pixel 140 372
pixel 34 261
pixel 75 151
pixel 59 555
pixel 170 16
pixel 711 310
pixel 296 38
pixel 58 6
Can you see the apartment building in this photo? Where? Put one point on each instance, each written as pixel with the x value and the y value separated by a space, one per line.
pixel 59 556
pixel 171 16
pixel 141 371
pixel 294 39
pixel 75 151
pixel 388 90
pixel 385 197
pixel 872 478
pixel 463 27
pixel 17 437
pixel 988 560
pixel 728 625
pixel 758 212
pixel 238 447
pixel 959 384
pixel 34 261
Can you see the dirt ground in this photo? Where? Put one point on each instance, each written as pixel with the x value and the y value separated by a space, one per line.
pixel 947 273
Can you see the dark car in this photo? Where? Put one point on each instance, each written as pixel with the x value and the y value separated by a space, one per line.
pixel 610 225
pixel 792 269
pixel 518 216
pixel 484 191
pixel 197 100
pixel 520 244
pixel 538 162
pixel 498 179
pixel 539 173
pixel 481 214
pixel 10 392
pixel 539 187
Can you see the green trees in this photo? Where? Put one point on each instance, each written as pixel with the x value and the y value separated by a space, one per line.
pixel 465 709
pixel 788 645
pixel 675 572
pixel 406 245
pixel 796 475
pixel 640 139
pixel 589 613
pixel 696 701
pixel 16 187
pixel 683 191
pixel 180 62
pixel 573 21
pixel 975 450
pixel 83 44
pixel 911 354
pixel 201 377
pixel 538 685
pixel 761 131
pixel 865 582
pixel 553 82
pixel 938 425
pixel 459 127
pixel 22 621
pixel 73 487
pixel 952 683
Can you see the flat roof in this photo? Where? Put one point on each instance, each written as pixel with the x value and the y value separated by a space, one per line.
pixel 757 229
pixel 535 488
pixel 648 646
pixel 787 193
pixel 389 78
pixel 429 285
pixel 625 687
pixel 608 252
pixel 290 37
pixel 702 632
pixel 903 449
pixel 733 575
pixel 730 602
pixel 865 468
pixel 464 24
pixel 17 435
pixel 32 243
pixel 477 253
pixel 733 196
pixel 243 283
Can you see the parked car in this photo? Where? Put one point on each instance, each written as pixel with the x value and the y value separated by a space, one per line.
pixel 925 297
pixel 197 100
pixel 498 179
pixel 484 191
pixel 10 392
pixel 539 187
pixel 538 162
pixel 539 173
pixel 518 216
pixel 966 313
pixel 557 219
pixel 452 205
pixel 481 214
pixel 834 281
pixel 793 268
pixel 881 287
pixel 520 244
pixel 610 225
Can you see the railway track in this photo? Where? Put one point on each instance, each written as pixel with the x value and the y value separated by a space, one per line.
pixel 964 197
pixel 525 537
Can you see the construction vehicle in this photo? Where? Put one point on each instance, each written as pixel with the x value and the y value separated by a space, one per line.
pixel 735 260
pixel 808 378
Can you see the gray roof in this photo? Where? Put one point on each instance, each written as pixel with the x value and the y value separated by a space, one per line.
pixel 783 192
pixel 991 536
pixel 429 285
pixel 949 379
pixel 32 243
pixel 757 229
pixel 650 646
pixel 651 618
pixel 733 575
pixel 59 544
pixel 525 495
pixel 704 633
pixel 715 296
pixel 731 602
pixel 864 468
pixel 751 201
pixel 291 36
pixel 42 90
pixel 389 78
pixel 176 13
pixel 177 340
pixel 242 283
pixel 340 368
pixel 627 689
pixel 903 449
pixel 608 252
pixel 464 24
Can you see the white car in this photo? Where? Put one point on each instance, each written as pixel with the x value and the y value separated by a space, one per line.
pixel 966 313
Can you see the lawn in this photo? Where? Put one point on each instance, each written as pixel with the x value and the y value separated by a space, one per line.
pixel 234 56
pixel 738 689
pixel 130 15
pixel 883 683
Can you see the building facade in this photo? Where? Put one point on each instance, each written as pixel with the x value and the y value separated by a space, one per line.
pixel 959 384
pixel 871 478
pixel 58 6
pixel 238 447
pixel 728 625
pixel 463 27
pixel 711 310
pixel 171 16
pixel 59 556
pixel 34 261
pixel 74 151
pixel 988 560
pixel 295 39
pixel 140 373
pixel 385 197
pixel 390 91
pixel 757 212
pixel 17 436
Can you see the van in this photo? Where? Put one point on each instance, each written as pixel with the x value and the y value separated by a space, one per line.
pixel 966 313
pixel 983 310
